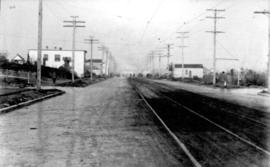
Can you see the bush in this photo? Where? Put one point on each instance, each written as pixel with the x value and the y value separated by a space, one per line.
pixel 46 71
pixel 254 78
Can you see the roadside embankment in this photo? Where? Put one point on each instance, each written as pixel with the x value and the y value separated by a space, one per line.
pixel 20 98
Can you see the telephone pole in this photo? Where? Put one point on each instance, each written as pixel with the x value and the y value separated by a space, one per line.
pixel 103 50
pixel 74 23
pixel 107 61
pixel 159 55
pixel 215 32
pixel 40 19
pixel 152 62
pixel 91 41
pixel 182 46
pixel 268 63
pixel 169 47
pixel 109 56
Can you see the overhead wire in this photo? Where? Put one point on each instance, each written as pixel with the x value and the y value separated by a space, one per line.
pixel 150 20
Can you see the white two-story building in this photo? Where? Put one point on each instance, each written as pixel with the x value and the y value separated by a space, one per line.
pixel 58 58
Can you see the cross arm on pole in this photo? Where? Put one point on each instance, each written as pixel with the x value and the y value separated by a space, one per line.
pixel 262 12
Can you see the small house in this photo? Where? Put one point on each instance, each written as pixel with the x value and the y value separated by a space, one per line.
pixel 189 70
pixel 18 59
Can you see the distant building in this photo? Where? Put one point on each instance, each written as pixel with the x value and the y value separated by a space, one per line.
pixel 190 70
pixel 98 69
pixel 61 58
pixel 18 59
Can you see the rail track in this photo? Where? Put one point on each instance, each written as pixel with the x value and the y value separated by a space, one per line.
pixel 198 142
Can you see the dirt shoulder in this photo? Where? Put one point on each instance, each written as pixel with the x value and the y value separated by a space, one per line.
pixel 15 99
pixel 81 82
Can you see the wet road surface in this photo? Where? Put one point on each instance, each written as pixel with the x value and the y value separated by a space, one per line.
pixel 104 124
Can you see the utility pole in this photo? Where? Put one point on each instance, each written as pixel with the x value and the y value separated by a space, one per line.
pixel 107 61
pixel 268 63
pixel 215 32
pixel 152 61
pixel 40 19
pixel 182 46
pixel 103 50
pixel 74 24
pixel 169 47
pixel 159 55
pixel 91 41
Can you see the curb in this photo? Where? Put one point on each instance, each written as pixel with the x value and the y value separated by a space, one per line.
pixel 264 93
pixel 15 92
pixel 26 103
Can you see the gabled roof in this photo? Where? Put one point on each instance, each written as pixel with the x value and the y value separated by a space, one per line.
pixel 18 57
pixel 189 66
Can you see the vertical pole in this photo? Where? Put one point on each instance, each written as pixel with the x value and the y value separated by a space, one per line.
pixel 214 54
pixel 154 65
pixel 73 48
pixel 159 64
pixel 183 63
pixel 168 60
pixel 238 76
pixel 268 64
pixel 91 60
pixel 102 61
pixel 109 61
pixel 40 17
pixel 106 65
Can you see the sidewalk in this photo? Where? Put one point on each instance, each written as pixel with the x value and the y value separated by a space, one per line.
pixel 244 96
pixel 103 124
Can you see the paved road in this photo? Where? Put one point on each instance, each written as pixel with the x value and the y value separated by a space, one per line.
pixel 101 125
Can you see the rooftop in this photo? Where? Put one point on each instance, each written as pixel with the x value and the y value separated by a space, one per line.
pixel 189 66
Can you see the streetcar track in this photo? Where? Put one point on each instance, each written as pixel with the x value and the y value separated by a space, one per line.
pixel 243 117
pixel 221 127
pixel 180 143
pixel 248 142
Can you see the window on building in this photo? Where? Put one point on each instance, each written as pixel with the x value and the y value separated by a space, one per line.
pixel 45 56
pixel 57 57
pixel 186 72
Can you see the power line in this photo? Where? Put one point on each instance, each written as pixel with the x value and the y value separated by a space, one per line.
pixel 150 20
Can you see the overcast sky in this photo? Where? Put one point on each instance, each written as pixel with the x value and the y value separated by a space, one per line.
pixel 133 28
